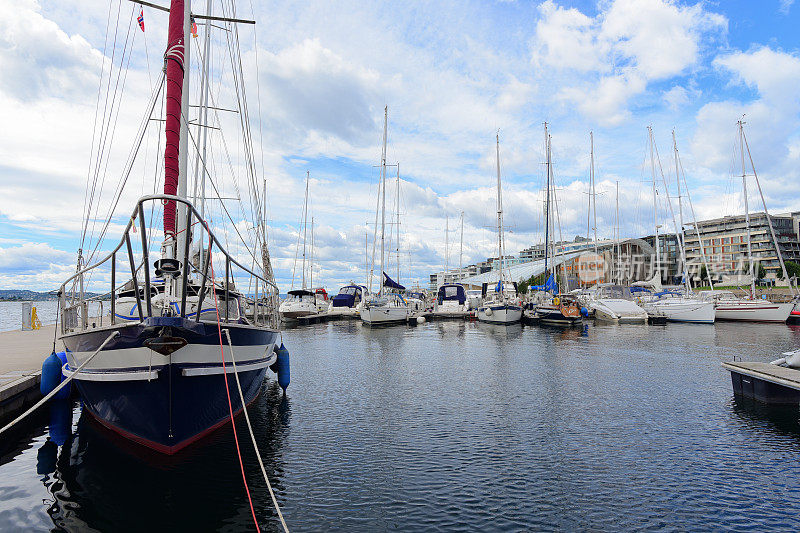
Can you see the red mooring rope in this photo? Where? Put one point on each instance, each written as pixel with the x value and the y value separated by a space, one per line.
pixel 227 389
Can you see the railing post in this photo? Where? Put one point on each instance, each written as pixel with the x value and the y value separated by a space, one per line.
pixel 186 268
pixel 201 295
pixel 255 304
pixel 227 292
pixel 113 285
pixel 133 274
pixel 145 261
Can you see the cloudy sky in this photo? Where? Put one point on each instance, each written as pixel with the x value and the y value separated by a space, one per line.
pixel 453 74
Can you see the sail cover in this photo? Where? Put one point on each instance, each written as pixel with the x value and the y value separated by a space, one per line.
pixel 173 60
pixel 392 284
pixel 549 286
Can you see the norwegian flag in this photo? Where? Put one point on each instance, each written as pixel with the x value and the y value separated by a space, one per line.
pixel 194 27
pixel 141 19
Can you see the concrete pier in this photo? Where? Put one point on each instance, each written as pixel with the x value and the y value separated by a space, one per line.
pixel 771 384
pixel 21 356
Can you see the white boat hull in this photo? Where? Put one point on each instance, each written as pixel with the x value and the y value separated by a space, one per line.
pixel 292 310
pixel 384 314
pixel 617 310
pixel 682 310
pixel 500 313
pixel 754 311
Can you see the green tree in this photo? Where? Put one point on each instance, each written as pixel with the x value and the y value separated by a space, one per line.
pixel 792 268
pixel 761 273
pixel 703 275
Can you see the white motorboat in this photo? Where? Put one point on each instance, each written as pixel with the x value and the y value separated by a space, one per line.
pixel 730 307
pixel 349 301
pixel 451 301
pixel 613 303
pixel 474 299
pixel 299 303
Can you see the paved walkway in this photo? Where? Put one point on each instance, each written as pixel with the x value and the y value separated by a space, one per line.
pixel 22 352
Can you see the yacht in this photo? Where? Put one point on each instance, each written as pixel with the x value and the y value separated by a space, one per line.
pixel 451 301
pixel 613 303
pixel 349 300
pixel 388 306
pixel 298 303
pixel 731 307
pixel 502 306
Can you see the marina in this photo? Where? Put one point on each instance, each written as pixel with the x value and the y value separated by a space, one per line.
pixel 417 431
pixel 223 307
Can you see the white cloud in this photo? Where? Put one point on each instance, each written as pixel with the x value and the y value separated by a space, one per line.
pixel 627 45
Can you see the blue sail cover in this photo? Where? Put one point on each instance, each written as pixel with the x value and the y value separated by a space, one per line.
pixel 454 292
pixel 549 286
pixel 347 296
pixel 392 284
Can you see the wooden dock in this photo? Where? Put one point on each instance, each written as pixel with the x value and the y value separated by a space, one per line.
pixel 765 382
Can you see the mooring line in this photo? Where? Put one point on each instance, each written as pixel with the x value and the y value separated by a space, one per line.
pixel 227 389
pixel 252 435
pixel 60 386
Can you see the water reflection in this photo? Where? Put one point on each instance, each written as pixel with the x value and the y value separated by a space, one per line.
pixel 102 482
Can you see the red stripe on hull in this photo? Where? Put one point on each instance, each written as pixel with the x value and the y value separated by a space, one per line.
pixel 161 448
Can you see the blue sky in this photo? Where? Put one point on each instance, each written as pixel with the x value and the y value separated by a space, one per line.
pixel 318 75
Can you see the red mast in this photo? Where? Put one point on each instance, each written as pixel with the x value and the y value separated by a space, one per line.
pixel 174 64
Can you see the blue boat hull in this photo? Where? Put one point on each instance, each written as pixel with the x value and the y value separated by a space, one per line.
pixel 174 409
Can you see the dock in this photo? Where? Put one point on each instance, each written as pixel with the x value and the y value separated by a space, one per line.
pixel 765 382
pixel 21 356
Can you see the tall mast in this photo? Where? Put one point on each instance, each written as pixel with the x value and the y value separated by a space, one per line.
pixel 176 62
pixel 655 201
pixel 305 229
pixel 311 258
pixel 383 192
pixel 202 131
pixel 397 244
pixel 746 211
pixel 461 249
pixel 681 235
pixel 547 199
pixel 766 213
pixel 619 259
pixel 499 215
pixel 593 198
pixel 446 242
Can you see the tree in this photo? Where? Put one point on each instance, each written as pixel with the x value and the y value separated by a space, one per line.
pixel 525 284
pixel 761 273
pixel 703 274
pixel 792 268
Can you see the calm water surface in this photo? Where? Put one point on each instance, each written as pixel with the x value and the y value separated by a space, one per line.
pixel 452 426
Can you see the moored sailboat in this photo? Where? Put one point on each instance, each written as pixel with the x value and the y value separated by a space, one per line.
pixel 502 306
pixel 158 372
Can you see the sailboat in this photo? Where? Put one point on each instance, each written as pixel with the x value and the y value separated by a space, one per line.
pixel 750 309
pixel 501 305
pixel 606 302
pixel 681 305
pixel 388 306
pixel 557 309
pixel 156 379
pixel 301 302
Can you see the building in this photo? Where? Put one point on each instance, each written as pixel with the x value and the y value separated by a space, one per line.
pixel 725 244
pixel 668 256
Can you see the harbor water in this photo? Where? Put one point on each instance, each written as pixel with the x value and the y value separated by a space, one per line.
pixel 450 426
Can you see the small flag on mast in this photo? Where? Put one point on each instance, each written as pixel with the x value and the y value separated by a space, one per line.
pixel 194 27
pixel 141 19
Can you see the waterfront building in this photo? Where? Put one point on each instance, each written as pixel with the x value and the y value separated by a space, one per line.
pixel 725 244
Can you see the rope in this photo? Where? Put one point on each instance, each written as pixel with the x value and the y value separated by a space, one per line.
pixel 227 389
pixel 60 386
pixel 252 435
